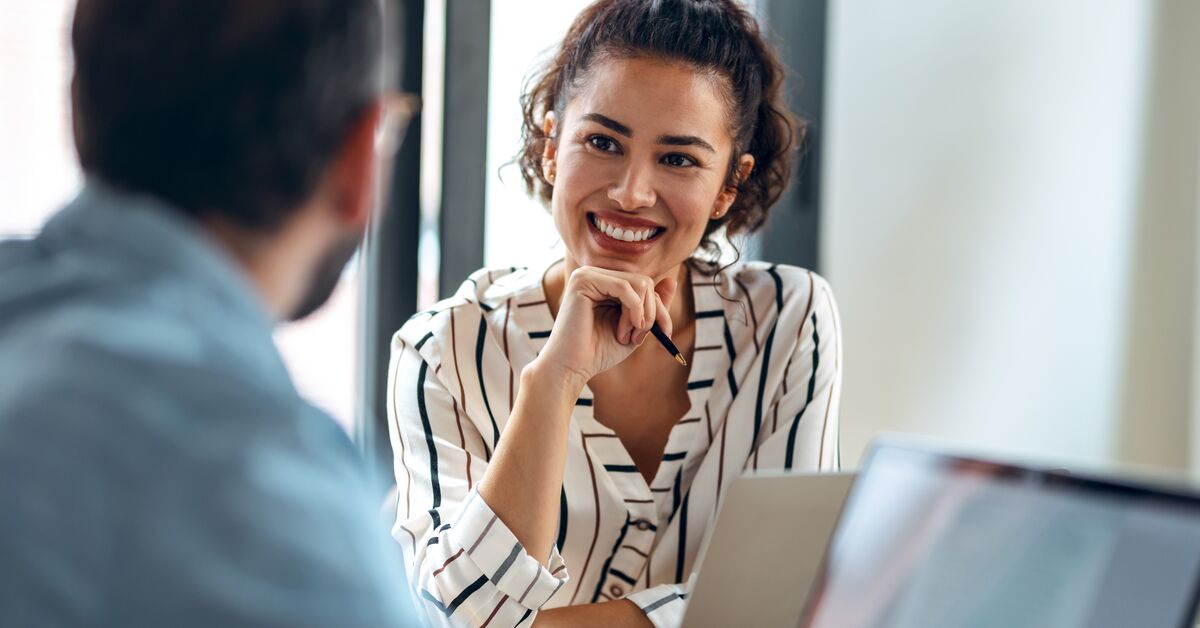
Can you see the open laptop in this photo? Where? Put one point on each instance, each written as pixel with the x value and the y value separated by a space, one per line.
pixel 930 540
pixel 765 550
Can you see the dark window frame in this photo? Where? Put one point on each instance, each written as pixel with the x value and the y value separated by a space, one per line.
pixel 798 30
pixel 393 247
pixel 392 250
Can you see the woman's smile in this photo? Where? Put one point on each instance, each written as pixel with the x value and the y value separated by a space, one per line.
pixel 623 234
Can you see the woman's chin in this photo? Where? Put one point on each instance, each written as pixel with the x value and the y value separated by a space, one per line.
pixel 645 265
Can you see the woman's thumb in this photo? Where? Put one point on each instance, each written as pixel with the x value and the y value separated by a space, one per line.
pixel 666 290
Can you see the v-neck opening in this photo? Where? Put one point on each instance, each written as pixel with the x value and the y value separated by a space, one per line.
pixel 690 431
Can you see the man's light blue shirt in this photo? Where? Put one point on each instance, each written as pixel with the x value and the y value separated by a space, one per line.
pixel 157 467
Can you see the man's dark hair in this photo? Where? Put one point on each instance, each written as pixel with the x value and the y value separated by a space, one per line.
pixel 222 107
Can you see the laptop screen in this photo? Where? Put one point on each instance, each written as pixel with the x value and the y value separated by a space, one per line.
pixel 929 541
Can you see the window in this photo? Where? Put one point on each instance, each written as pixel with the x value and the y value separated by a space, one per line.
pixel 518 230
pixel 321 351
pixel 38 169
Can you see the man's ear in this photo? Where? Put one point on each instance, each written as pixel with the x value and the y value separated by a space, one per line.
pixel 352 176
pixel 728 194
pixel 550 147
pixel 77 125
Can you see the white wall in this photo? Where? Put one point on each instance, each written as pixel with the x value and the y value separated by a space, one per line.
pixel 1001 180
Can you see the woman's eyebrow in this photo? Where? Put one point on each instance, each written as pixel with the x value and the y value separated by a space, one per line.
pixel 668 140
pixel 608 122
pixel 685 140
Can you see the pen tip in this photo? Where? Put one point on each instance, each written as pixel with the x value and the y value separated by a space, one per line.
pixel 680 360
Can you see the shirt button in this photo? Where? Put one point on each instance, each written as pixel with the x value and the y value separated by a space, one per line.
pixel 616 591
pixel 642 524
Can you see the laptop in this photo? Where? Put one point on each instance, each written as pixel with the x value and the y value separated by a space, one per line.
pixel 931 540
pixel 765 549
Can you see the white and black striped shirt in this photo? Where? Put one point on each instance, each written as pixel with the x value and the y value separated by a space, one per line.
pixel 764 386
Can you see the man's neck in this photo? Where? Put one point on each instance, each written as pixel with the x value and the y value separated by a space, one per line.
pixel 259 258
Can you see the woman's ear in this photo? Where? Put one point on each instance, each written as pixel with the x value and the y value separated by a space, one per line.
pixel 550 147
pixel 728 193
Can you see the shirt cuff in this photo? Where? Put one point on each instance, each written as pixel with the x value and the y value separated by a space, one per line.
pixel 499 555
pixel 663 605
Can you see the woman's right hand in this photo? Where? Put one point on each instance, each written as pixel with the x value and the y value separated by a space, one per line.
pixel 603 317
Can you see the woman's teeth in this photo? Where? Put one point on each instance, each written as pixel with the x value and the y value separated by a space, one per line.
pixel 625 235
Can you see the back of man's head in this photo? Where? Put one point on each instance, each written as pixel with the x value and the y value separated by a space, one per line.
pixel 232 108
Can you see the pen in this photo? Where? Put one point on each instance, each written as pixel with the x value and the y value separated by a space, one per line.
pixel 666 343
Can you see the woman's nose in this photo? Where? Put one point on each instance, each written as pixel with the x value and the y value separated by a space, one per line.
pixel 634 189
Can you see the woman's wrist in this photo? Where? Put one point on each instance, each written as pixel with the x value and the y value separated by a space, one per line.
pixel 546 374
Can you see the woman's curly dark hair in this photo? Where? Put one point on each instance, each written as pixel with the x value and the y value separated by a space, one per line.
pixel 714 36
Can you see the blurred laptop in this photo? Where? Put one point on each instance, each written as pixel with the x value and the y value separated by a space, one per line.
pixel 930 540
pixel 765 549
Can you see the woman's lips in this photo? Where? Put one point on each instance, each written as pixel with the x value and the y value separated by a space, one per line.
pixel 624 228
pixel 623 236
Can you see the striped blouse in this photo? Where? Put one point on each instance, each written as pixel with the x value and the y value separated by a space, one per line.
pixel 764 385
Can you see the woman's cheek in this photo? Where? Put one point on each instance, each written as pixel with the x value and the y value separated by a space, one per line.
pixel 693 216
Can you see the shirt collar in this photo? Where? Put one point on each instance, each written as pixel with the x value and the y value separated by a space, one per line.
pixel 147 231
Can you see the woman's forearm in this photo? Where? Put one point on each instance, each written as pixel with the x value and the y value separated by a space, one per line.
pixel 524 478
pixel 616 614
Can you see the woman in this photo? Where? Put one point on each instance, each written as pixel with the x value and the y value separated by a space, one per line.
pixel 553 464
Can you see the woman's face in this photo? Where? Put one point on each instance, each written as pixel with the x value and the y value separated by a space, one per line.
pixel 639 165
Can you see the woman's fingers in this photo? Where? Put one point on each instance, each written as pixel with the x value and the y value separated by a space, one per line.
pixel 606 287
pixel 624 327
pixel 648 309
pixel 641 301
pixel 644 315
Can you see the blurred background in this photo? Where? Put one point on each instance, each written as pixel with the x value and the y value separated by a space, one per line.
pixel 1004 197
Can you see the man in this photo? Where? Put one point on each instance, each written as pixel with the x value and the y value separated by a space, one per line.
pixel 157 468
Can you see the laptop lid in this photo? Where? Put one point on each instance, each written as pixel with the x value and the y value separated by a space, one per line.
pixel 765 548
pixel 930 540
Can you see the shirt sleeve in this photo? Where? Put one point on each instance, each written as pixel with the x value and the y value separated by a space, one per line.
pixel 465 565
pixel 665 604
pixel 802 430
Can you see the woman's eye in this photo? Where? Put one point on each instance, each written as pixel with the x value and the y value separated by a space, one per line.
pixel 677 160
pixel 601 143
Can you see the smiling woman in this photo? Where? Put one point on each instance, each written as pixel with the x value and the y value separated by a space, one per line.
pixel 553 466
pixel 660 161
